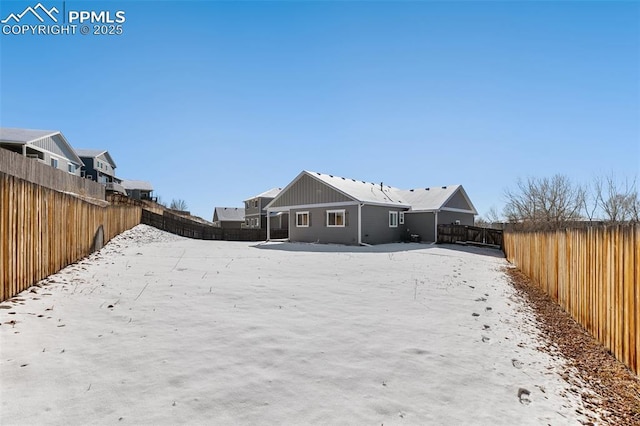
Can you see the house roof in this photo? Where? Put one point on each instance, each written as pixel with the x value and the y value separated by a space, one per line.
pixel 272 193
pixel 11 135
pixel 137 184
pixel 93 153
pixel 434 198
pixel 229 214
pixel 362 191
pixel 423 199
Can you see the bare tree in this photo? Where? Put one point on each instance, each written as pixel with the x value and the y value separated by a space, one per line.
pixel 590 203
pixel 489 218
pixel 617 199
pixel 544 202
pixel 178 205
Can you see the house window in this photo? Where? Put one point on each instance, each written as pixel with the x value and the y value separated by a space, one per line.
pixel 335 218
pixel 302 219
pixel 401 218
pixel 393 219
pixel 54 163
pixel 255 203
pixel 71 168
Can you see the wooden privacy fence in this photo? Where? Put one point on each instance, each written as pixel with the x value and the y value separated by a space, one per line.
pixel 36 172
pixel 451 233
pixel 593 274
pixel 193 229
pixel 42 231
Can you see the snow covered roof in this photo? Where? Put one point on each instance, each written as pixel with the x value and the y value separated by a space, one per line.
pixel 137 184
pixel 364 192
pixel 423 199
pixel 272 193
pixel 433 198
pixel 233 214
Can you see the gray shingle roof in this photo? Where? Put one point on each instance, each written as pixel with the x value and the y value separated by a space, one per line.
pixel 10 134
pixel 93 153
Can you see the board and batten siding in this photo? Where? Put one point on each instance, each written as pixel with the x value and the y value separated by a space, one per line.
pixel 421 224
pixel 375 225
pixel 458 202
pixel 56 146
pixel 308 190
pixel 446 217
pixel 319 232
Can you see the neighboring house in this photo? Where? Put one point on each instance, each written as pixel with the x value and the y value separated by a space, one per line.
pixel 228 217
pixel 138 189
pixel 255 215
pixel 99 166
pixel 47 146
pixel 330 209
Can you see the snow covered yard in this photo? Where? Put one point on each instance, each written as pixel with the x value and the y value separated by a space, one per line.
pixel 157 329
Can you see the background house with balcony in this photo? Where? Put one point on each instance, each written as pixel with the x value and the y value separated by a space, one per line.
pixel 139 189
pixel 46 146
pixel 228 217
pixel 255 213
pixel 98 165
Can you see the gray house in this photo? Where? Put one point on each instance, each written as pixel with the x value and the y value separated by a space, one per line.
pixel 139 189
pixel 330 209
pixel 46 146
pixel 255 214
pixel 98 165
pixel 228 217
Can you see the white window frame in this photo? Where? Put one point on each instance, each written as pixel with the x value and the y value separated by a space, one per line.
pixel 54 162
pixel 393 223
pixel 302 214
pixel 71 168
pixel 336 213
pixel 401 218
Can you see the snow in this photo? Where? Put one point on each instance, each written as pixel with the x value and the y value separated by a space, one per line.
pixel 158 329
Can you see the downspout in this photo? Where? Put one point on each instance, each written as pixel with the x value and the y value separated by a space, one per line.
pixel 359 223
pixel 435 226
pixel 268 225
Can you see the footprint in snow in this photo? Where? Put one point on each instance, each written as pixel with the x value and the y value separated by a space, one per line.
pixel 523 396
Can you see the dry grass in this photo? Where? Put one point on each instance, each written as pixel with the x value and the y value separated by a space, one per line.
pixel 606 385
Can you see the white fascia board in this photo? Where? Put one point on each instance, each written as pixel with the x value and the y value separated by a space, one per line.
pixel 312 206
pixel 399 205
pixel 451 209
pixel 443 209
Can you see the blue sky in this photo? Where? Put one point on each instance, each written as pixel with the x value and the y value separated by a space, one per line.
pixel 213 102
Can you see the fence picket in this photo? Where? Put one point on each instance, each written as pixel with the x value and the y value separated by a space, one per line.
pixel 593 274
pixel 42 231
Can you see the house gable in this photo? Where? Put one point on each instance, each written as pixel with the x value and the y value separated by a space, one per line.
pixel 459 201
pixel 306 190
pixel 57 144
